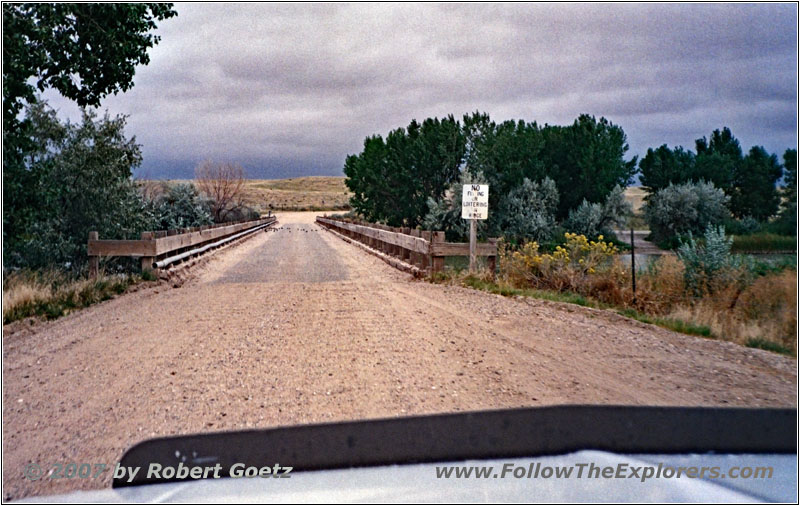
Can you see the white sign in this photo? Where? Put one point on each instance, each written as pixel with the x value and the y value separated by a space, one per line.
pixel 475 202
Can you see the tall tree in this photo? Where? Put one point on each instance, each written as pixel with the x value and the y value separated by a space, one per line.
pixel 787 219
pixel 718 159
pixel 754 190
pixel 85 51
pixel 790 167
pixel 586 160
pixel 504 155
pixel 223 184
pixel 392 180
pixel 663 166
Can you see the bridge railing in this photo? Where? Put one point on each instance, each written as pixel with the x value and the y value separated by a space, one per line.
pixel 165 246
pixel 425 250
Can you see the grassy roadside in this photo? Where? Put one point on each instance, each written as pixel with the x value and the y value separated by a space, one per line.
pixel 51 294
pixel 763 242
pixel 478 282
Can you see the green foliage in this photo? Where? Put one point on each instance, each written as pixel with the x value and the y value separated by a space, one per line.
pixel 763 344
pixel 509 291
pixel 754 192
pixel 763 242
pixel 790 166
pixel 748 180
pixel 85 51
pixel 786 224
pixel 528 211
pixel 593 220
pixel 504 155
pixel 674 324
pixel 684 208
pixel 445 213
pixel 586 160
pixel 664 166
pixel 706 263
pixel 242 213
pixel 180 206
pixel 745 226
pixel 392 180
pixel 718 159
pixel 761 266
pixel 82 183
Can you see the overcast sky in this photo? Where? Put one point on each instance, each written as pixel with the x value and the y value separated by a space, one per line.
pixel 291 89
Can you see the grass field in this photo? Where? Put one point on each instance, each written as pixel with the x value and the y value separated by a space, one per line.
pixel 329 193
pixel 318 193
pixel 635 195
pixel 308 193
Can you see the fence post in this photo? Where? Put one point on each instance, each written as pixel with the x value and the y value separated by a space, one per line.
pixel 94 261
pixel 147 262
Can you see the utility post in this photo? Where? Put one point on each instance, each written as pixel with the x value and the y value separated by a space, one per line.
pixel 474 206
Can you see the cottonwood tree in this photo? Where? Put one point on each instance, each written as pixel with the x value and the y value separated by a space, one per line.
pixel 586 160
pixel 393 179
pixel 663 166
pixel 85 51
pixel 718 159
pixel 754 191
pixel 223 184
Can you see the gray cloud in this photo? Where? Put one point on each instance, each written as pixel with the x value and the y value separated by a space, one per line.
pixel 294 88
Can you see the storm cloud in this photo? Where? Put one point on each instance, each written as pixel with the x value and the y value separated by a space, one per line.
pixel 291 89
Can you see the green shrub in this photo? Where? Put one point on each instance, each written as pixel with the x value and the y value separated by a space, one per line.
pixel 685 208
pixel 593 220
pixel 763 267
pixel 82 183
pixel 181 206
pixel 529 211
pixel 763 344
pixel 746 226
pixel 709 263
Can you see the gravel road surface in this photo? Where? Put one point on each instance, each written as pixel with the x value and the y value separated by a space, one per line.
pixel 296 326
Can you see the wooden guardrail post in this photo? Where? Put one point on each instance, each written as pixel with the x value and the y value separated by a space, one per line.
pixel 437 261
pixel 147 262
pixel 94 260
pixel 405 252
pixel 415 256
pixel 425 257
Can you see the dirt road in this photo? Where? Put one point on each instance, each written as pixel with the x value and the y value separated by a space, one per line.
pixel 296 326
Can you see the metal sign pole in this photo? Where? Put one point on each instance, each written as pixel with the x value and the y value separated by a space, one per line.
pixel 472 244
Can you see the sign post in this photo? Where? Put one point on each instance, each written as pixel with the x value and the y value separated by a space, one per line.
pixel 474 206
